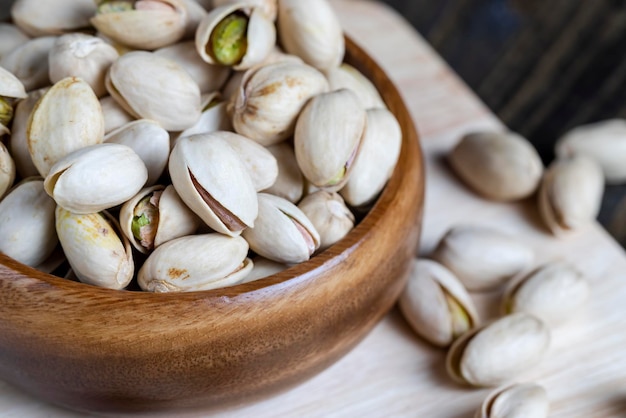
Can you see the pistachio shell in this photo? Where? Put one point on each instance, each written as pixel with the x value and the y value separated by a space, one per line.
pixel 27 231
pixel 270 99
pixel 521 400
pixel 195 14
pixel 7 170
pixel 153 87
pixel 214 182
pixel 347 77
pixel 197 262
pixel 553 293
pixel 263 268
pixel 38 18
pixel 329 215
pixel 498 351
pixel 18 143
pixel 498 165
pixel 281 231
pixel 68 117
pixel 10 85
pixel 482 258
pixel 268 7
pixel 436 304
pixel 260 163
pixel 10 38
pixel 97 252
pixel 114 115
pixel 29 62
pixel 289 183
pixel 328 136
pixel 95 178
pixel 311 30
pixel 214 118
pixel 377 158
pixel 570 195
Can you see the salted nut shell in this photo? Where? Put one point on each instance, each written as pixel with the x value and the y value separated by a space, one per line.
pixel 150 86
pixel 570 195
pixel 270 98
pixel 521 400
pixel 499 351
pixel 214 182
pixel 155 216
pixel 97 251
pixel 238 35
pixel 7 170
pixel 436 304
pixel 10 85
pixel 268 7
pixel 27 231
pixel 329 215
pixel 95 178
pixel 214 117
pixel 311 30
pixel 38 18
pixel 29 62
pixel 18 141
pixel 482 258
pixel 259 162
pixel 68 117
pixel 10 38
pixel 142 24
pixel 347 77
pixel 328 137
pixel 282 232
pixel 196 262
pixel 554 293
pixel 114 115
pixel 498 165
pixel 289 183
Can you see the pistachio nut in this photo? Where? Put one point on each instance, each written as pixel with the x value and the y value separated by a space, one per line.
pixel 18 142
pixel 260 163
pixel 289 183
pixel 95 178
pixel 553 293
pixel 281 232
pixel 268 7
pixel 11 88
pixel 83 56
pixel 238 35
pixel 195 14
pixel 499 351
pixel 516 401
pixel 347 77
pixel 329 215
pixel 153 87
pixel 10 38
pixel 377 158
pixel 97 251
pixel 37 18
pixel 270 98
pixel 29 62
pixel 114 115
pixel 571 193
pixel 263 268
pixel 68 117
pixel 231 87
pixel 482 258
pixel 149 141
pixel 214 117
pixel 27 231
pixel 154 216
pixel 141 24
pixel 7 170
pixel 196 262
pixel 498 165
pixel 435 303
pixel 214 182
pixel 311 30
pixel 328 137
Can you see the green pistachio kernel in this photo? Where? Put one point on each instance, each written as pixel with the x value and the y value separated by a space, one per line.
pixel 211 104
pixel 461 322
pixel 114 6
pixel 338 177
pixel 138 223
pixel 229 41
pixel 6 111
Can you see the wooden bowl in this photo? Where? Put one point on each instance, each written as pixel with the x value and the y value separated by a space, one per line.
pixel 110 351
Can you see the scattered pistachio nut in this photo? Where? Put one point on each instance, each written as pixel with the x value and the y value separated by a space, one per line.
pixel 260 163
pixel 11 88
pixel 7 170
pixel 329 215
pixel 114 115
pixel 18 142
pixel 10 38
pixel 38 18
pixel 521 400
pixel 29 62
pixel 347 77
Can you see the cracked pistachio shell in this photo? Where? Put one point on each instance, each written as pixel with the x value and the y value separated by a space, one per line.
pixel 329 215
pixel 209 77
pixel 10 38
pixel 214 182
pixel 521 400
pixel 18 142
pixel 263 268
pixel 482 258
pixel 289 183
pixel 10 85
pixel 271 97
pixel 260 163
pixel 197 262
pixel 41 18
pixel 95 178
pixel 151 24
pixel 500 166
pixel 268 7
pixel 435 303
pixel 149 141
pixel 214 118
pixel 29 62
pixel 311 30
pixel 67 118
pixel 83 56
pixel 153 87
pixel 114 115
pixel 570 195
pixel 347 77
pixel 328 136
pixel 553 293
pixel 97 251
pixel 282 232
pixel 377 158
pixel 260 35
pixel 27 231
pixel 173 218
pixel 7 170
pixel 499 351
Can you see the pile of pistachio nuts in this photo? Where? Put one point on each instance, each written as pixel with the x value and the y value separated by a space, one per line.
pixel 183 145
